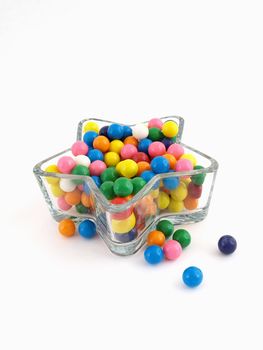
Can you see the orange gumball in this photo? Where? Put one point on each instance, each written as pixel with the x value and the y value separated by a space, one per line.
pixel 73 198
pixel 86 200
pixel 142 166
pixel 131 140
pixel 156 238
pixel 190 203
pixel 67 227
pixel 171 159
pixel 102 143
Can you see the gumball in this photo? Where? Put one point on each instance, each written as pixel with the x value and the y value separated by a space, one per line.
pixel 160 165
pixel 127 168
pixel 192 276
pixel 67 227
pixel 111 158
pixel 128 151
pixel 86 188
pixel 127 131
pixel 52 169
pixel 95 154
pixel 101 143
pixel 155 123
pixel 107 189
pixel 183 165
pixel 123 226
pixel 172 250
pixel 189 157
pixel 156 149
pixel 140 157
pixel 86 200
pixel 124 214
pixel 156 238
pixel 155 193
pixel 67 185
pixel 80 187
pixel 116 146
pixel 62 204
pixel 155 134
pixel 97 167
pixel 144 144
pixel 81 209
pixel 115 132
pixel 180 193
pixel 97 180
pixel 153 254
pixel 198 179
pixel 66 164
pixel 194 191
pixel 183 237
pixel 175 206
pixel 147 175
pixel 82 160
pixel 104 131
pixel 126 237
pixel 186 180
pixel 73 198
pixel 123 187
pixel 89 137
pixel 190 203
pixel 167 142
pixel 171 159
pixel 170 129
pixel 91 126
pixel 227 244
pixel 176 150
pixel 166 227
pixel 56 190
pixel 138 183
pixel 131 140
pixel 140 131
pixel 109 174
pixel 163 200
pixel 171 183
pixel 81 170
pixel 143 166
pixel 87 229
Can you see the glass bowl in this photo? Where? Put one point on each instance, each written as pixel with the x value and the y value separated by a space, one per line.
pixel 124 228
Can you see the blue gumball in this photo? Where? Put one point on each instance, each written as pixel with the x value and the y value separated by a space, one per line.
pixel 171 183
pixel 95 154
pixel 153 254
pixel 227 244
pixel 192 276
pixel 104 131
pixel 126 237
pixel 87 229
pixel 97 180
pixel 144 145
pixel 127 131
pixel 160 165
pixel 115 132
pixel 89 137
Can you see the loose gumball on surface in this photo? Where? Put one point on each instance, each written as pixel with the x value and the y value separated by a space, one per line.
pixel 227 244
pixel 192 276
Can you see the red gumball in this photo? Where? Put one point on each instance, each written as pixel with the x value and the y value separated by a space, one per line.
pixel 140 157
pixel 123 214
pixel 194 191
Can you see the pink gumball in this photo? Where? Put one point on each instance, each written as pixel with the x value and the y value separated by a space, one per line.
pixel 80 187
pixel 97 167
pixel 172 250
pixel 183 165
pixel 62 204
pixel 79 148
pixel 155 123
pixel 128 151
pixel 176 150
pixel 156 148
pixel 66 164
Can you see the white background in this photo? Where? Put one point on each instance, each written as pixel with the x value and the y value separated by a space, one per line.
pixel 61 61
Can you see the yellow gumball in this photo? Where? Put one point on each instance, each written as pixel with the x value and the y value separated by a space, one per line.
pixel 155 193
pixel 123 226
pixel 163 200
pixel 56 190
pixel 111 158
pixel 180 193
pixel 170 129
pixel 186 180
pixel 116 146
pixel 52 169
pixel 189 157
pixel 127 168
pixel 91 126
pixel 175 206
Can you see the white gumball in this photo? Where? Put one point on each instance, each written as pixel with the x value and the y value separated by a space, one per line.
pixel 140 131
pixel 67 185
pixel 82 160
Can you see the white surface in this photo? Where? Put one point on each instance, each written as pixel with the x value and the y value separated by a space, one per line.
pixel 130 60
